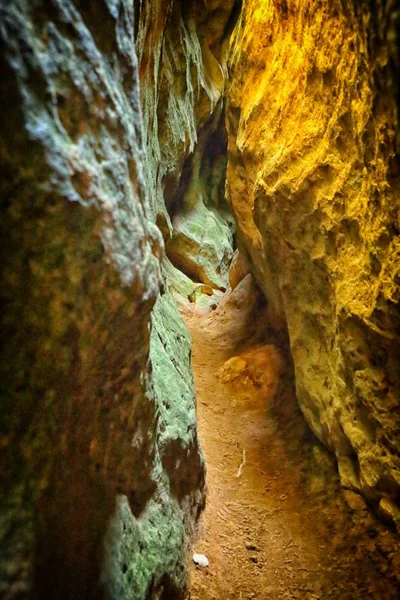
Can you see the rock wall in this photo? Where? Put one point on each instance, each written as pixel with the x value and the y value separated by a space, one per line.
pixel 313 181
pixel 103 476
pixel 182 50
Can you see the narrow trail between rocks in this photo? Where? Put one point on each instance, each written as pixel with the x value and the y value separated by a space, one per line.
pixel 276 525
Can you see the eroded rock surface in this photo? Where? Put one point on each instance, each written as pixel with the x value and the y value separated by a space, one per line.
pixel 103 476
pixel 238 269
pixel 260 366
pixel 182 53
pixel 313 183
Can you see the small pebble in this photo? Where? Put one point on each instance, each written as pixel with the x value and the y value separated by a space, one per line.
pixel 201 560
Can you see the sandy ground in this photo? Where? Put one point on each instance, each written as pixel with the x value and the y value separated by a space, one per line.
pixel 277 524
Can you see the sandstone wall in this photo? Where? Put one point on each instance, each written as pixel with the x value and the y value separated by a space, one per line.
pixel 182 50
pixel 103 477
pixel 313 180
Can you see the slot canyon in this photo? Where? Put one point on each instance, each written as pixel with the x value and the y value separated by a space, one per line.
pixel 200 250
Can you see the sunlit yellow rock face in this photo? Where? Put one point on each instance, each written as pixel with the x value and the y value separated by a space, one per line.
pixel 314 186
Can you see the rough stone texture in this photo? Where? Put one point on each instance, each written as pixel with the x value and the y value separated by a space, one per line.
pixel 183 289
pixel 183 70
pixel 182 61
pixel 102 473
pixel 313 181
pixel 201 244
pixel 238 269
pixel 103 476
pixel 153 549
pixel 178 284
pixel 261 366
pixel 201 241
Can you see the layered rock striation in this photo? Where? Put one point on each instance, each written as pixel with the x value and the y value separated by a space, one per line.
pixel 313 181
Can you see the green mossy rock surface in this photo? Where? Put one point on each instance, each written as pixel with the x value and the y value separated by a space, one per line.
pixel 94 447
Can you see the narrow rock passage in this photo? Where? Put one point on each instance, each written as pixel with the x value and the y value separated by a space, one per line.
pixel 276 525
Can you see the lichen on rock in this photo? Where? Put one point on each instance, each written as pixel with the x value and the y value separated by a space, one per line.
pixel 153 549
pixel 92 483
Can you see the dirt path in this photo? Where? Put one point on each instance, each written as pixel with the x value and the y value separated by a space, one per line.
pixel 276 524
